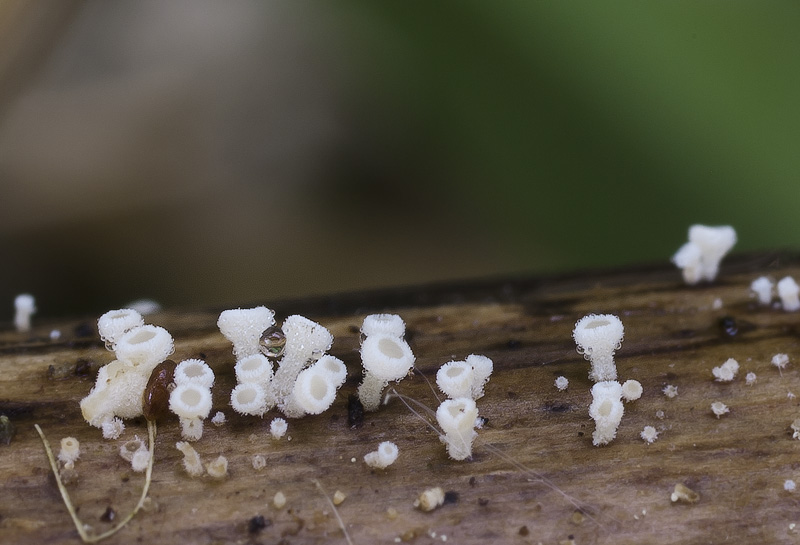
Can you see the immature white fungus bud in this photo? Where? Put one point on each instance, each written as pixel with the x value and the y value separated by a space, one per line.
pixel 129 448
pixel 562 383
pixel 457 419
pixel 385 358
pixel 763 287
pixel 719 408
pixel 727 371
pixel 649 434
pixel 24 307
pixel 278 428
pixel 750 378
pixel 113 428
pixel 606 410
pixel 279 500
pixel 249 398
pixel 70 451
pixel 243 328
pixel 383 457
pixel 597 337
pixel 700 257
pixel 256 368
pixel 430 499
pixel 259 462
pixel 631 390
pixel 670 391
pixel 218 468
pixel 195 372
pixel 115 323
pixel 144 347
pixel 191 460
pixel 140 460
pixel 387 324
pixel 789 292
pixel 780 361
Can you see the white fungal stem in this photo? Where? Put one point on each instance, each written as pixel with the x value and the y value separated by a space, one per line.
pixel 370 390
pixel 151 432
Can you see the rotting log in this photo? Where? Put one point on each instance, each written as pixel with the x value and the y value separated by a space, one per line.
pixel 535 476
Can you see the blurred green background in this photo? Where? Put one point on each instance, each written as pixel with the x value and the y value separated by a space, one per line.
pixel 216 154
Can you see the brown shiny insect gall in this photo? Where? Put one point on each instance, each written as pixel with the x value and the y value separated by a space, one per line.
pixel 272 342
pixel 155 400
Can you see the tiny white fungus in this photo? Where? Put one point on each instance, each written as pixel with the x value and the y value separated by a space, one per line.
pixel 750 378
pixel 789 292
pixel 383 457
pixel 649 434
pixel 763 288
pixel 278 427
pixel 70 451
pixel 218 468
pixel 670 391
pixel 789 485
pixel 279 500
pixel 24 307
pixel 430 499
pixel 562 383
pixel 606 410
pixel 780 361
pixel 699 258
pixel 727 371
pixel 631 390
pixel 218 419
pixel 719 408
pixel 259 462
pixel 191 460
pixel 457 418
pixel 140 460
pixel 339 497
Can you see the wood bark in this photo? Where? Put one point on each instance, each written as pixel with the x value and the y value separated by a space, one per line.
pixel 535 476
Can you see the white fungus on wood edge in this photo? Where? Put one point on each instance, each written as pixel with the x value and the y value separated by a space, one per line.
pixel 719 408
pixel 430 499
pixel 649 434
pixel 763 288
pixel 464 378
pixel 278 427
pixel 457 419
pixel 562 383
pixel 70 451
pixel 670 391
pixel 383 457
pixel 385 357
pixel 750 378
pixel 789 292
pixel 631 390
pixel 597 337
pixel 727 371
pixel 699 258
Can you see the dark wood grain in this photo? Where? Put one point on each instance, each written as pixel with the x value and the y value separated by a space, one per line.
pixel 535 476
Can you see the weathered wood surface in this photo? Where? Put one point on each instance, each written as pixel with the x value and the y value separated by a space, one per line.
pixel 535 476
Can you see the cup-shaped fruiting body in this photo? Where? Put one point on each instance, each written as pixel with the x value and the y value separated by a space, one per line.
pixel 117 392
pixel 306 342
pixel 388 324
pixel 315 388
pixel 763 287
pixel 191 460
pixel 24 308
pixel 195 372
pixel 700 257
pixel 455 379
pixel 606 410
pixel 243 328
pixel 256 368
pixel 482 368
pixel 385 358
pixel 631 390
pixel 115 323
pixel 789 292
pixel 249 398
pixel 144 347
pixel 457 419
pixel 192 403
pixel 218 468
pixel 383 457
pixel 70 451
pixel 597 337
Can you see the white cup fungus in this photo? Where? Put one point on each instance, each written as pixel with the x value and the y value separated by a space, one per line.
pixel 457 419
pixel 597 337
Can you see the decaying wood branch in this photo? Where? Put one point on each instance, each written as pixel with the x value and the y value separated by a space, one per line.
pixel 535 476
